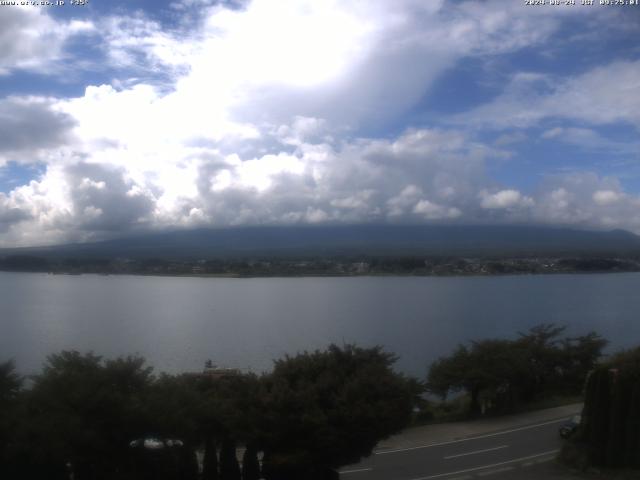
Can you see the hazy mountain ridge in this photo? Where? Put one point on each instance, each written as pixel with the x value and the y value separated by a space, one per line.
pixel 322 241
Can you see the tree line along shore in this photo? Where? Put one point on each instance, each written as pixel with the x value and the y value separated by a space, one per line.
pixel 324 266
pixel 85 417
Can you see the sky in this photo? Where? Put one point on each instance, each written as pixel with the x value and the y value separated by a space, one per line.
pixel 121 117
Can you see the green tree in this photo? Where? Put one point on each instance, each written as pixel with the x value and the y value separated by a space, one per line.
pixel 504 373
pixel 173 408
pixel 85 412
pixel 489 370
pixel 545 359
pixel 234 407
pixel 330 408
pixel 581 355
pixel 231 408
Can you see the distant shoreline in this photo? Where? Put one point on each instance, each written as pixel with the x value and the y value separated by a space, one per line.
pixel 327 266
pixel 330 274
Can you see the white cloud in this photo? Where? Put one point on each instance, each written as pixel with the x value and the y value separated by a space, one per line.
pixel 31 40
pixel 606 197
pixel 237 69
pixel 358 201
pixel 407 199
pixel 315 215
pixel 29 126
pixel 10 213
pixel 585 199
pixel 269 62
pixel 433 211
pixel 603 95
pixel 103 198
pixel 255 120
pixel 420 175
pixel 303 129
pixel 590 139
pixel 504 199
pixel 135 42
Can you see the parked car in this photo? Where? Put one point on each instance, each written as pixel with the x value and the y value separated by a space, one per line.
pixel 568 428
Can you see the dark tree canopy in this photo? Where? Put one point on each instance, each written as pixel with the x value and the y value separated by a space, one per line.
pixel 10 382
pixel 489 368
pixel 86 411
pixel 90 417
pixel 503 373
pixel 330 408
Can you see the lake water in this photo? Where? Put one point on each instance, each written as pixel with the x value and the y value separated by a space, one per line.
pixel 178 323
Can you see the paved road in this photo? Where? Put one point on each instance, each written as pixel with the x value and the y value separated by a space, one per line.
pixel 491 455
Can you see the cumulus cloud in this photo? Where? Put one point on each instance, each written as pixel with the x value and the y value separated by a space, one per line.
pixel 433 211
pixel 586 199
pixel 363 180
pixel 606 197
pixel 104 199
pixel 255 115
pixel 79 201
pixel 31 40
pixel 504 199
pixel 10 214
pixel 31 124
pixel 419 175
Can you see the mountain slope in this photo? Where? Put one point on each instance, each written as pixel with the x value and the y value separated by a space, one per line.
pixel 350 240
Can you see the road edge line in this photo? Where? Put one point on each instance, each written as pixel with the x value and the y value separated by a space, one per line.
pixel 504 432
pixel 439 475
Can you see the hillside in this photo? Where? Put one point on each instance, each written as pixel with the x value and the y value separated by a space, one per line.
pixel 331 241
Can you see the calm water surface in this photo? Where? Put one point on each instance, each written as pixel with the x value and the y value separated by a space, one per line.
pixel 178 323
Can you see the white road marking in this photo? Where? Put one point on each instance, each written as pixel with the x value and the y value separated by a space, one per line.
pixel 494 471
pixel 440 475
pixel 397 450
pixel 477 451
pixel 357 470
pixel 543 460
